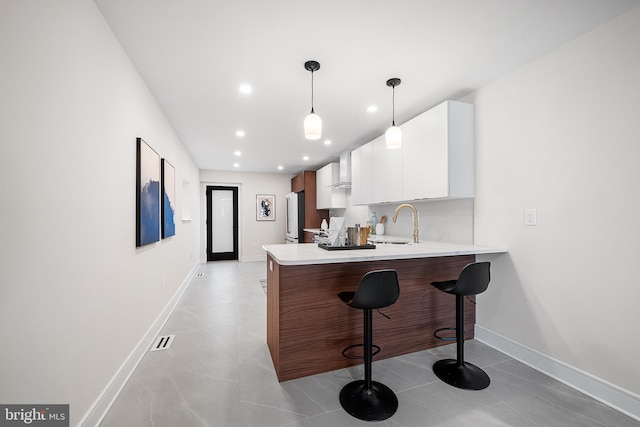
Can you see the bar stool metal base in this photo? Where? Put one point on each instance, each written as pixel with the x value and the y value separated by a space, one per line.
pixel 466 376
pixel 375 404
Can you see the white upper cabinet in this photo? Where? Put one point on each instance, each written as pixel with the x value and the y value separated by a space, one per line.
pixel 448 151
pixel 328 196
pixel 387 170
pixel 362 175
pixel 379 188
pixel 436 159
pixel 356 182
pixel 412 159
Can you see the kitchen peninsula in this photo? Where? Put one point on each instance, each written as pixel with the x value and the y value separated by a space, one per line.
pixel 308 326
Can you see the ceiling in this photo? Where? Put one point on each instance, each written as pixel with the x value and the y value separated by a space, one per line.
pixel 194 55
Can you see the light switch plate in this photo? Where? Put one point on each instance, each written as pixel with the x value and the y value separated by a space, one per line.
pixel 530 217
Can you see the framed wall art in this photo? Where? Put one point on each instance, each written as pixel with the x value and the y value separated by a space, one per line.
pixel 167 217
pixel 147 194
pixel 265 207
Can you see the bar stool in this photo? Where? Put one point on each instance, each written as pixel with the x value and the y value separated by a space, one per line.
pixel 366 399
pixel 473 279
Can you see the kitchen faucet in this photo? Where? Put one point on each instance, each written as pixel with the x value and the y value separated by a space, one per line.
pixel 416 233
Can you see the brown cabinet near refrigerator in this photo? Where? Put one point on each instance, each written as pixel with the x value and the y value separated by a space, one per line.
pixel 306 181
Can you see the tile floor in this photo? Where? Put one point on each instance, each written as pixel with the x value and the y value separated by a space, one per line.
pixel 218 372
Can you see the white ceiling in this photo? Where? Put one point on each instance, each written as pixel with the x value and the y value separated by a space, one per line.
pixel 194 54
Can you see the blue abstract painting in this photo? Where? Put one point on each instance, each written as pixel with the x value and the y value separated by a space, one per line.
pixel 148 194
pixel 168 199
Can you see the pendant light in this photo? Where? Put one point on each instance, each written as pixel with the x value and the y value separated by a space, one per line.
pixel 393 135
pixel 313 122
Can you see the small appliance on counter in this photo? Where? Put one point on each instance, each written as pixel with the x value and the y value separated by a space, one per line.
pixel 356 239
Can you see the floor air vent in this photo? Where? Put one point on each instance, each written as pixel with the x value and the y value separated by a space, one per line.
pixel 162 343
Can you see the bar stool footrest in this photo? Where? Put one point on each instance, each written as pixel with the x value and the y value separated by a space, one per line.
pixel 435 334
pixel 344 352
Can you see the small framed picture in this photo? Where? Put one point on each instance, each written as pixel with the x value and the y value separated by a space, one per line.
pixel 265 207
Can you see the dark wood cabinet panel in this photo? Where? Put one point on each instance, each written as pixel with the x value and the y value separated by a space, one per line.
pixel 306 181
pixel 297 183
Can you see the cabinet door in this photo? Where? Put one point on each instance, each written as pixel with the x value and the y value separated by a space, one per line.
pixel 367 173
pixel 435 161
pixel 322 201
pixel 380 168
pixel 461 149
pixel 362 175
pixel 387 165
pixel 412 140
pixel 356 183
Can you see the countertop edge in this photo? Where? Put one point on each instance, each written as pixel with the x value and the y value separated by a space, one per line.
pixel 308 254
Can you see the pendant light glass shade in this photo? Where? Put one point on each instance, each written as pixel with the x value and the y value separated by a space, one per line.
pixel 313 122
pixel 312 126
pixel 393 135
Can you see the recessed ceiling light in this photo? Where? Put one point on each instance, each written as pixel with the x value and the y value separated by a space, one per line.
pixel 240 133
pixel 236 165
pixel 237 153
pixel 280 168
pixel 305 158
pixel 246 89
pixel 327 142
pixel 372 108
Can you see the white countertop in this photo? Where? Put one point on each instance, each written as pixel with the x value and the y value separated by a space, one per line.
pixel 310 253
pixel 374 238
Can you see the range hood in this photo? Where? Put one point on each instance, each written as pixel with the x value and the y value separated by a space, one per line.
pixel 345 171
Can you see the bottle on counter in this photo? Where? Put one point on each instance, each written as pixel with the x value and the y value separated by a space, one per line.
pixel 373 222
pixel 324 225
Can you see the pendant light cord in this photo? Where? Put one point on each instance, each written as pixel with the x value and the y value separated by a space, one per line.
pixel 312 91
pixel 393 106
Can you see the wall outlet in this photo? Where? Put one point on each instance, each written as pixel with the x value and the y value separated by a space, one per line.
pixel 530 217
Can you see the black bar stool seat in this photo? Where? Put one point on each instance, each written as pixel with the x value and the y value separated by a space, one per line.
pixel 473 279
pixel 366 399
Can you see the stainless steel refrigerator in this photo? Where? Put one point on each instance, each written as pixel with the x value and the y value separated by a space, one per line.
pixel 295 218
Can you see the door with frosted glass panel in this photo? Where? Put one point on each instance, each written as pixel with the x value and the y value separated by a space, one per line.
pixel 222 223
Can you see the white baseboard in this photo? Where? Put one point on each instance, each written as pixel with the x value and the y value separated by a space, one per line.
pixel 103 403
pixel 601 390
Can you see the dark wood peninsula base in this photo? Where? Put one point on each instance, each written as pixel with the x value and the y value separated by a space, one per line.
pixel 308 326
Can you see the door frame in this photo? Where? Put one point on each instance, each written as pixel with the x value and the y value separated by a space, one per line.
pixel 219 256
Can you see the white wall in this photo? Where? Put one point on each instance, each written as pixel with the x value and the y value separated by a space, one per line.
pixel 562 135
pixel 253 233
pixel 76 296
